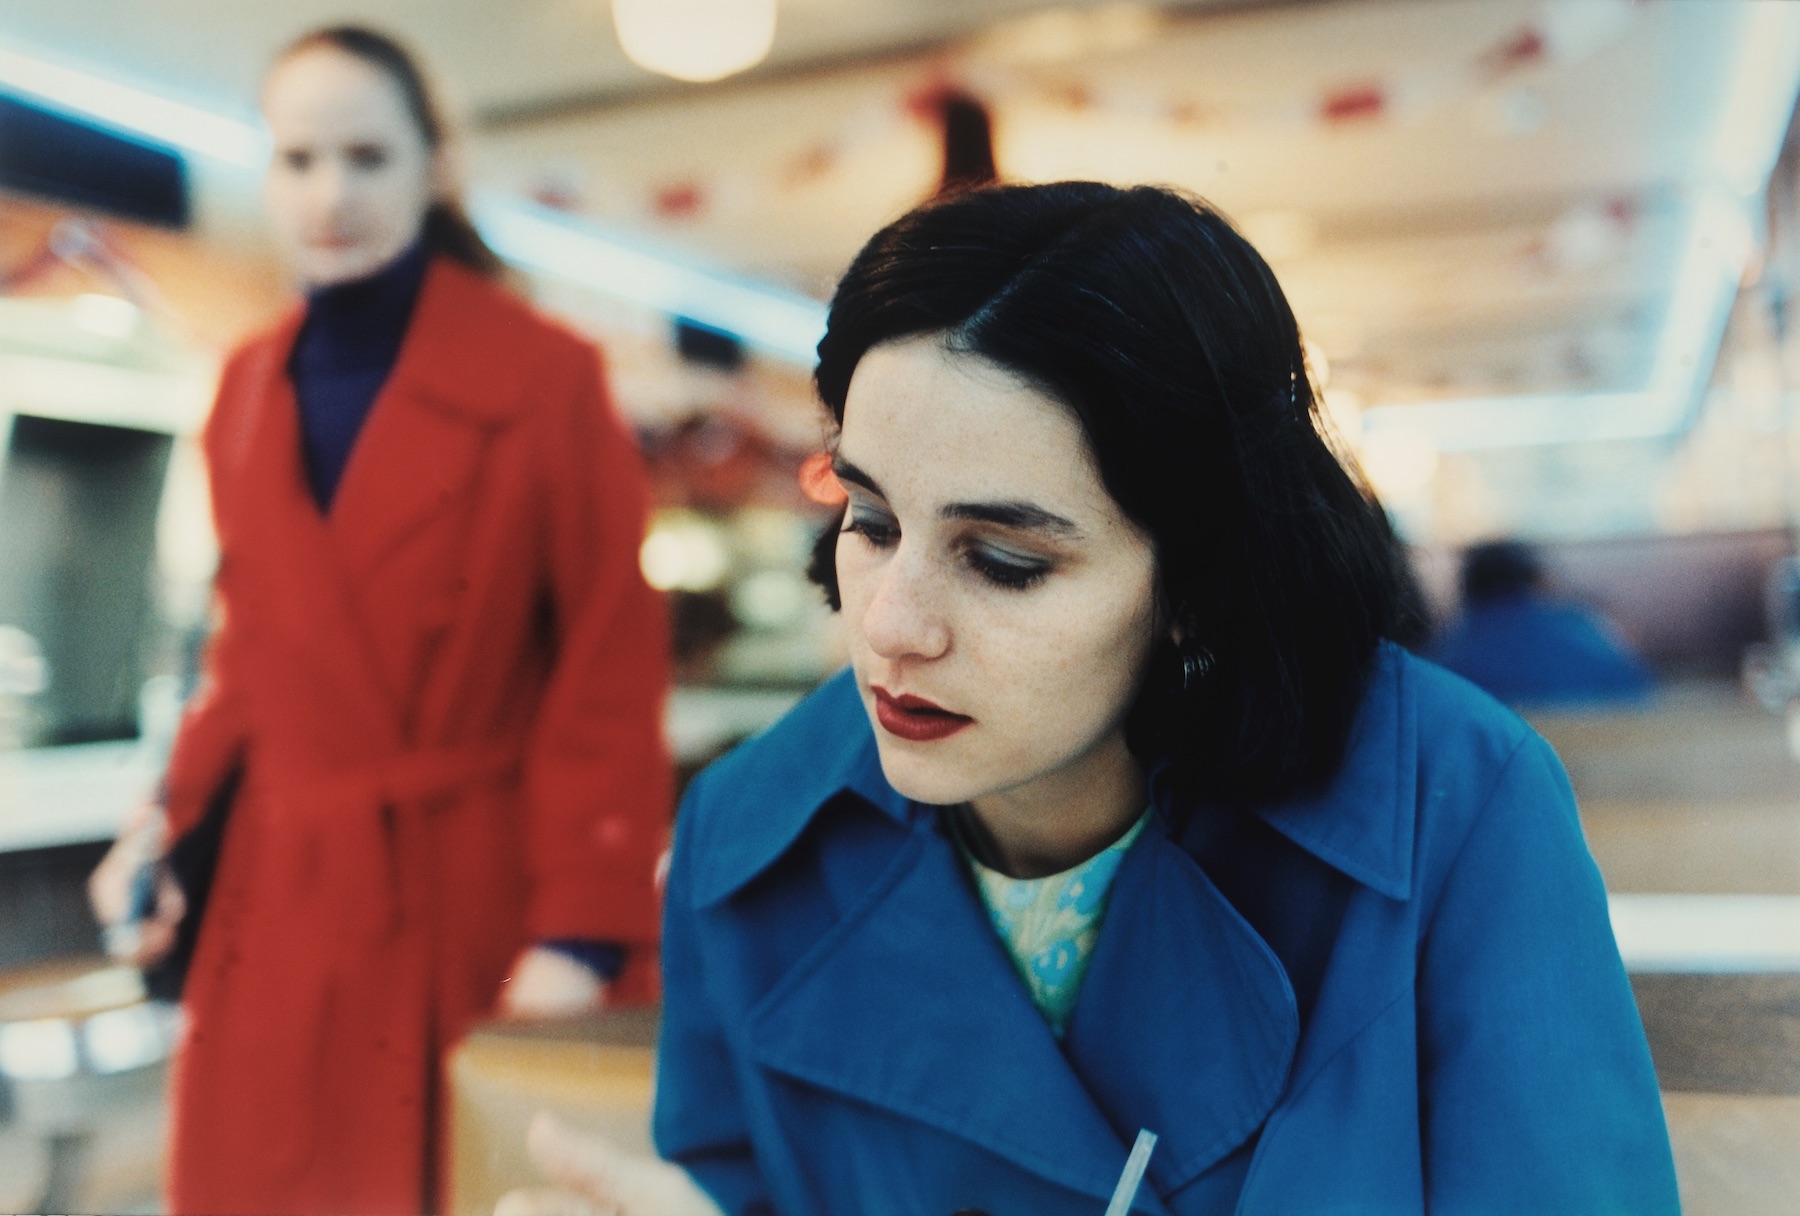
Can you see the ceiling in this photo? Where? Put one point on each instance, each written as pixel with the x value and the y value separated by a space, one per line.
pixel 1492 230
pixel 1464 198
pixel 499 56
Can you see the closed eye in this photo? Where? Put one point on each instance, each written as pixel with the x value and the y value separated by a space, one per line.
pixel 368 156
pixel 875 527
pixel 1011 571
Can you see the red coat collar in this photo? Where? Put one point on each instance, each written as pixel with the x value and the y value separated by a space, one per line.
pixel 448 357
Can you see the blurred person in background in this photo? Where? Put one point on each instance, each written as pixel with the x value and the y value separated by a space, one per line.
pixel 1530 649
pixel 427 750
pixel 1130 813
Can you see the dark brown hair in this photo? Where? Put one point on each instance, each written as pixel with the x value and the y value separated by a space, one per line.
pixel 448 229
pixel 1165 334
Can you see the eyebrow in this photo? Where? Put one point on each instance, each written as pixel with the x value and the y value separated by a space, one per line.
pixel 1024 516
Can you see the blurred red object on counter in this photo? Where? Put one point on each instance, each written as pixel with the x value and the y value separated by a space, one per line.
pixel 819 483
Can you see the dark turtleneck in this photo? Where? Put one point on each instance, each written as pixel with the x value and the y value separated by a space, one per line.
pixel 345 350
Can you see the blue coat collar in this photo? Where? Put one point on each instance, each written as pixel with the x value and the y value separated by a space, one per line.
pixel 822 748
pixel 1201 1063
pixel 1361 823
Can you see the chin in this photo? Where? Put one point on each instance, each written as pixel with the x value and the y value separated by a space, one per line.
pixel 330 269
pixel 923 778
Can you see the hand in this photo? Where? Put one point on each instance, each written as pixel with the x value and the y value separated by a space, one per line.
pixel 550 984
pixel 140 844
pixel 595 1177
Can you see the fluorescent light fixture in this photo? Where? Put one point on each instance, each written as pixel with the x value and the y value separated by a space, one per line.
pixel 1754 119
pixel 1523 421
pixel 1764 83
pixel 1400 461
pixel 1706 286
pixel 782 323
pixel 131 110
pixel 1700 303
pixel 785 324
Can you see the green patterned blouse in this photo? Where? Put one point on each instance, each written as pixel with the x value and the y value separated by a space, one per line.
pixel 1049 925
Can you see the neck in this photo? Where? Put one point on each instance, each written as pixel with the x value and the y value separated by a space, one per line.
pixel 1064 818
pixel 393 284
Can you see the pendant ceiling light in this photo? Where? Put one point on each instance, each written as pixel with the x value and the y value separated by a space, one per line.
pixel 695 39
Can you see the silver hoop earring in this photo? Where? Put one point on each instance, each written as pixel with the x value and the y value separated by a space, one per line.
pixel 1195 665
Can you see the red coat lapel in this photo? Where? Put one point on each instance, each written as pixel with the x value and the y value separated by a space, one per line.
pixel 422 444
pixel 288 556
pixel 416 462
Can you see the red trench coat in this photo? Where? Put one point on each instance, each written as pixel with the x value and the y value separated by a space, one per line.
pixel 445 697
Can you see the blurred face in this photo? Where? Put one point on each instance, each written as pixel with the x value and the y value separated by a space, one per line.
pixel 352 175
pixel 999 604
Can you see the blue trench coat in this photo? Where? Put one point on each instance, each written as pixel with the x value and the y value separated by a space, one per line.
pixel 1399 995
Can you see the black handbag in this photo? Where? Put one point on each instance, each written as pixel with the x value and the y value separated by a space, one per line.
pixel 192 860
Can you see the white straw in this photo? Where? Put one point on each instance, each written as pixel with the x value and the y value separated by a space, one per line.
pixel 1135 1165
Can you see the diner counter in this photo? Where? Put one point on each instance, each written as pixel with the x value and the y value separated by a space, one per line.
pixel 1697 794
pixel 55 796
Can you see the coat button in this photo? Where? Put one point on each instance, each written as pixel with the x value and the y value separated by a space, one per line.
pixel 612 832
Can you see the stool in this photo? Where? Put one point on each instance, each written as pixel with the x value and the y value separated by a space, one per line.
pixel 77 1039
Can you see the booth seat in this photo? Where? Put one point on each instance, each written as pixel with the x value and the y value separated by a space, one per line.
pixel 1727 1052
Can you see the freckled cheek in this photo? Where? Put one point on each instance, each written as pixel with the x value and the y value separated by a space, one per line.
pixel 856 586
pixel 1066 679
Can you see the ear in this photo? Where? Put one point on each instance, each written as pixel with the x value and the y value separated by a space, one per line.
pixel 1169 618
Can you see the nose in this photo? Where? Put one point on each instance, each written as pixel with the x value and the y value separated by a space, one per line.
pixel 331 187
pixel 903 619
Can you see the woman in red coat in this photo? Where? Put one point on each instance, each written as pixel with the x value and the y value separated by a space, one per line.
pixel 435 695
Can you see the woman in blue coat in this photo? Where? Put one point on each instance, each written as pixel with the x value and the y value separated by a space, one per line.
pixel 1130 813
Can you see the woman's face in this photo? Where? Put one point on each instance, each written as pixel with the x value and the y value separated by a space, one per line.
pixel 999 604
pixel 352 175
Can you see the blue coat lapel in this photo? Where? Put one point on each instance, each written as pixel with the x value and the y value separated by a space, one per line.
pixel 1364 825
pixel 910 1005
pixel 823 747
pixel 1186 1023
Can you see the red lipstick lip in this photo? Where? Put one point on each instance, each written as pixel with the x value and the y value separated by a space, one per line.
pixel 914 718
